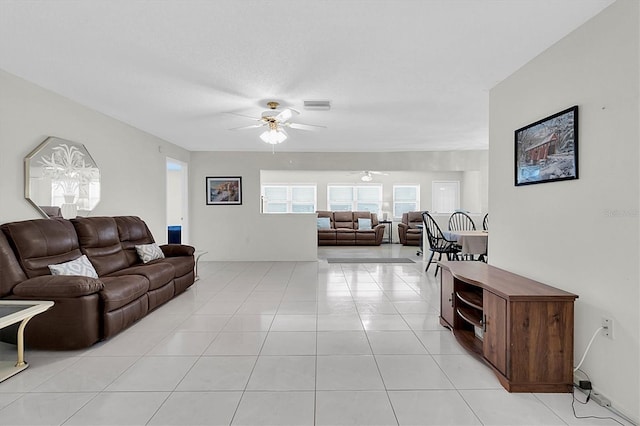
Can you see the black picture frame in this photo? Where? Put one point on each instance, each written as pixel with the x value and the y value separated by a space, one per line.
pixel 547 150
pixel 224 190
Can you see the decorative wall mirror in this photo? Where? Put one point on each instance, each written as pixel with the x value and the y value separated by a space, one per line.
pixel 61 179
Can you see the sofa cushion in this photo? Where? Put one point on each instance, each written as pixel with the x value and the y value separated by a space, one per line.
pixel 367 237
pixel 42 242
pixel 149 252
pixel 364 224
pixel 80 266
pixel 343 220
pixel 326 237
pixel 100 241
pixel 57 286
pixel 345 235
pixel 414 218
pixel 323 223
pixel 325 213
pixel 132 231
pixel 122 290
pixel 182 265
pixel 158 274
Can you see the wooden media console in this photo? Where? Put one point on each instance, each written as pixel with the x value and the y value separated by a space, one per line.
pixel 521 328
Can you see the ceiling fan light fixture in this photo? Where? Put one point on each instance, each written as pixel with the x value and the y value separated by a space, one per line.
pixel 273 136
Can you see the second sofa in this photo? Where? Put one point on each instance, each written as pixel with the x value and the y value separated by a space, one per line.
pixel 349 229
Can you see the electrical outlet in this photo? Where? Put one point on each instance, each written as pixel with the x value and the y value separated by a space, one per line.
pixel 607 325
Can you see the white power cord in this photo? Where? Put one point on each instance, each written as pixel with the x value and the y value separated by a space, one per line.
pixel 588 347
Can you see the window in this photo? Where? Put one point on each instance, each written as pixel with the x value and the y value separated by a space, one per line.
pixel 445 196
pixel 340 198
pixel 355 198
pixel 303 199
pixel 288 198
pixel 406 198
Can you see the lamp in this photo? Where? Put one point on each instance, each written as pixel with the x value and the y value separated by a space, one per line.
pixel 366 177
pixel 274 135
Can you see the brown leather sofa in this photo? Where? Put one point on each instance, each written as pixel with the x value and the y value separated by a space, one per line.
pixel 408 233
pixel 87 310
pixel 344 229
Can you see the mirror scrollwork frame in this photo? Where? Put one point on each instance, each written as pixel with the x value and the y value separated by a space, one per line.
pixel 61 179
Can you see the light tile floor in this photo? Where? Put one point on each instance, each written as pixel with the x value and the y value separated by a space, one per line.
pixel 282 343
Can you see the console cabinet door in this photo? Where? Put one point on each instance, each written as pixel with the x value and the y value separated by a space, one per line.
pixel 446 296
pixel 495 330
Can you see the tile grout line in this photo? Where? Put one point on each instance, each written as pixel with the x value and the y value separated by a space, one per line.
pixel 199 357
pixel 375 360
pixel 235 412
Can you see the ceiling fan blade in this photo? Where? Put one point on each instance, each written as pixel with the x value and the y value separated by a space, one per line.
pixel 253 126
pixel 242 115
pixel 286 115
pixel 300 126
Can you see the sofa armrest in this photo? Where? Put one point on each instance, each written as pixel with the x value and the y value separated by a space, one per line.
pixel 379 233
pixel 402 232
pixel 174 250
pixel 58 286
pixel 378 227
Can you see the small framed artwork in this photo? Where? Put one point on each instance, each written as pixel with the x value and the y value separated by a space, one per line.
pixel 224 190
pixel 547 150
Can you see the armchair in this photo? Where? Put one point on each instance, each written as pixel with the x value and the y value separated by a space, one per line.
pixel 408 231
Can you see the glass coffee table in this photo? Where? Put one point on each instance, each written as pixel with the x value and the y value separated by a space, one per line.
pixel 18 311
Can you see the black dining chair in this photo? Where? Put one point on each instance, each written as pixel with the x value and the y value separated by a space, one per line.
pixel 485 227
pixel 437 242
pixel 460 221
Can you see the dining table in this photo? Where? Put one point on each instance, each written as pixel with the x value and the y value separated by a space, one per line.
pixel 470 242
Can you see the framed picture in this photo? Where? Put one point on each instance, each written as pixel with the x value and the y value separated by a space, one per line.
pixel 224 190
pixel 547 150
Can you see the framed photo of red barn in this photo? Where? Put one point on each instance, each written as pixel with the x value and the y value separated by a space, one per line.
pixel 547 150
pixel 224 190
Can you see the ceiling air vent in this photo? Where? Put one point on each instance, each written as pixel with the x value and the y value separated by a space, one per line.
pixel 317 105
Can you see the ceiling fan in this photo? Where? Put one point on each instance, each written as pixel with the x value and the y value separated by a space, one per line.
pixel 367 175
pixel 275 120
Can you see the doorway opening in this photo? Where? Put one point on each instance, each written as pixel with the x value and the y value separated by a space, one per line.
pixel 177 202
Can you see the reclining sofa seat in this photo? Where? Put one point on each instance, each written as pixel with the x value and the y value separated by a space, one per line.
pixel 86 309
pixel 134 231
pixel 129 291
pixel 327 237
pixel 26 250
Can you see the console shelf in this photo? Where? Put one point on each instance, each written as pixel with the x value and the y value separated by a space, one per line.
pixel 471 298
pixel 521 328
pixel 472 316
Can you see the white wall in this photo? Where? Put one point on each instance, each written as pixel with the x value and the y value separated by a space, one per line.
pixel 241 232
pixel 132 163
pixel 580 235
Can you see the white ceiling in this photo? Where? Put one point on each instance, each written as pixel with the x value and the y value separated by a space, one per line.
pixel 402 75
